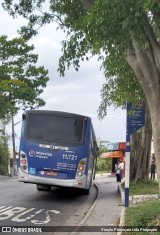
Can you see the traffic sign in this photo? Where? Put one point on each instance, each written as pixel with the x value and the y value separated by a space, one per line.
pixel 135 120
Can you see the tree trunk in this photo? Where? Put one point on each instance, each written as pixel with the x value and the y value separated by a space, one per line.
pixel 155 116
pixel 141 150
pixel 146 65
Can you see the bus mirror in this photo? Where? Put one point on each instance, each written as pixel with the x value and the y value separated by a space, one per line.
pixel 98 149
pixel 23 117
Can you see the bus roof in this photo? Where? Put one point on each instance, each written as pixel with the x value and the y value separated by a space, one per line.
pixel 57 113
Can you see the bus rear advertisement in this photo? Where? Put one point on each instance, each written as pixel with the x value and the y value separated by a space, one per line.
pixel 57 149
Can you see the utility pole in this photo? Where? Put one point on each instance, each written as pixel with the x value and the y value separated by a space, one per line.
pixel 14 148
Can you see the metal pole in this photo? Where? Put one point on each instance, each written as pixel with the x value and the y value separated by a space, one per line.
pixel 127 171
pixel 14 149
pixel 127 159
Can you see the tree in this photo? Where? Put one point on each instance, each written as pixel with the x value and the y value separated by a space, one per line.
pixel 103 164
pixel 4 151
pixel 114 30
pixel 116 91
pixel 21 82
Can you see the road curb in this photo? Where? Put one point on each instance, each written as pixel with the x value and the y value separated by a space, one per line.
pixel 122 220
pixel 122 217
pixel 92 207
pixel 82 222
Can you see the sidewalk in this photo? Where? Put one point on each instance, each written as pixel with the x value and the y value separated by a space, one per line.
pixel 5 177
pixel 107 209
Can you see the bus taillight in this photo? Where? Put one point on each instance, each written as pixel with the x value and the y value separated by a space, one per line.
pixel 81 168
pixel 23 162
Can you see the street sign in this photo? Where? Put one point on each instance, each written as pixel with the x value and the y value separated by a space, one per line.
pixel 112 146
pixel 136 120
pixel 116 146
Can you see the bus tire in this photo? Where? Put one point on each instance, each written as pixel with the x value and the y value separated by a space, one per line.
pixel 40 189
pixel 43 188
pixel 86 191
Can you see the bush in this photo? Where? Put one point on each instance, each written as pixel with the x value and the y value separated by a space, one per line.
pixel 143 187
pixel 104 164
pixel 145 215
pixel 148 213
pixel 4 155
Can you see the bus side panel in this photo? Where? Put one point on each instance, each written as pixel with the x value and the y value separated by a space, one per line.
pixel 92 158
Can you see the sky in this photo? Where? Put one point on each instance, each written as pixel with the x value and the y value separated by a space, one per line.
pixel 77 92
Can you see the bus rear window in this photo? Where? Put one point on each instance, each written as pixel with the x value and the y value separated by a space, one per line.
pixel 55 129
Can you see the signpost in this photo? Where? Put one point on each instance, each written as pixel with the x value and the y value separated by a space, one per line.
pixel 14 148
pixel 112 146
pixel 103 142
pixel 135 121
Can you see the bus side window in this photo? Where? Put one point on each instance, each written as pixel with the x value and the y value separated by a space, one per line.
pixel 96 149
pixel 23 117
pixel 93 144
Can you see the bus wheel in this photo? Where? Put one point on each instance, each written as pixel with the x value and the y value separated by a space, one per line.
pixel 43 188
pixel 39 189
pixel 86 191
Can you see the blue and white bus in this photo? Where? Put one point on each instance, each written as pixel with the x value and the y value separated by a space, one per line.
pixel 57 149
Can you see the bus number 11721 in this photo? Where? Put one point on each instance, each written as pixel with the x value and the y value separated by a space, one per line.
pixel 70 157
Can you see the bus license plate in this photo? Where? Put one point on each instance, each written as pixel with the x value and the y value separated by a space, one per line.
pixel 52 173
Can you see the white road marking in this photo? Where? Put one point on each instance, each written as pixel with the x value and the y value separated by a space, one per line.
pixel 47 220
pixel 9 213
pixel 17 214
pixel 17 218
pixel 37 212
pixel 4 208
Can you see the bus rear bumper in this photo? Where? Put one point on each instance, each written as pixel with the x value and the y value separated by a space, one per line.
pixel 75 183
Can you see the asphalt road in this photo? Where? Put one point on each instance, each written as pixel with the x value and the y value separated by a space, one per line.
pixel 22 205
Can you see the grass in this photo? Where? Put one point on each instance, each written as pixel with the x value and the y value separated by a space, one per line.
pixel 146 214
pixel 141 216
pixel 143 187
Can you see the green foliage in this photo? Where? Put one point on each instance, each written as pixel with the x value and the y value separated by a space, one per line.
pixel 118 89
pixel 143 187
pixel 104 30
pixel 21 82
pixel 4 153
pixel 103 165
pixel 145 215
pixel 102 149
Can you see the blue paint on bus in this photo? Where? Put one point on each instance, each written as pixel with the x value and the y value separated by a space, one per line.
pixel 57 149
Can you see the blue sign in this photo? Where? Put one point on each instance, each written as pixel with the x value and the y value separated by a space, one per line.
pixel 112 146
pixel 136 120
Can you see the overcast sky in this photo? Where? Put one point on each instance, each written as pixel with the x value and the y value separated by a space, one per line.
pixel 78 92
